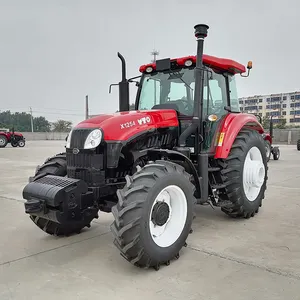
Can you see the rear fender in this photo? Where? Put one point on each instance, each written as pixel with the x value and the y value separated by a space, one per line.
pixel 230 128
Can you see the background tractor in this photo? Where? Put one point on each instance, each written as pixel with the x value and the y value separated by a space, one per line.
pixel 16 139
pixel 185 143
pixel 268 137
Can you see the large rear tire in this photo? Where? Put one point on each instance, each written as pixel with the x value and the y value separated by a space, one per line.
pixel 56 165
pixel 3 141
pixel 154 214
pixel 245 174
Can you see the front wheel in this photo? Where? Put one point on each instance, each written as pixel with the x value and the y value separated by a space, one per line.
pixel 276 153
pixel 154 214
pixel 245 174
pixel 56 165
pixel 21 143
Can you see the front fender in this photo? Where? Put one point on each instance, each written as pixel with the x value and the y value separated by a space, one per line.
pixel 230 128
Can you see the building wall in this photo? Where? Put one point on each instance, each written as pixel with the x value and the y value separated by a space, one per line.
pixel 39 136
pixel 286 105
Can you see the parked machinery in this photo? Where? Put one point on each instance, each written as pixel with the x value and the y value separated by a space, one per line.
pixel 16 139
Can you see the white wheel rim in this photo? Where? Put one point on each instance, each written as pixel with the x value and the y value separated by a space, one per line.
pixel 167 234
pixel 21 144
pixel 2 141
pixel 253 173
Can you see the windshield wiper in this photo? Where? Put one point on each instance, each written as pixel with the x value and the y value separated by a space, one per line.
pixel 179 76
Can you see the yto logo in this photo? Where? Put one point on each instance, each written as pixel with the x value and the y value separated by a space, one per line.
pixel 144 120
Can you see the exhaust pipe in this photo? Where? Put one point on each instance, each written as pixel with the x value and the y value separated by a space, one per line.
pixel 123 87
pixel 200 34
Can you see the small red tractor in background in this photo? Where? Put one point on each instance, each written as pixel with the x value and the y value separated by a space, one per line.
pixel 185 143
pixel 268 137
pixel 16 139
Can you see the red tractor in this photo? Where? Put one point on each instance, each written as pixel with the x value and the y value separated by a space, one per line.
pixel 16 139
pixel 186 143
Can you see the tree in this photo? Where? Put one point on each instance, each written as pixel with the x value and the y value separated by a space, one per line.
pixel 21 121
pixel 265 122
pixel 281 124
pixel 62 126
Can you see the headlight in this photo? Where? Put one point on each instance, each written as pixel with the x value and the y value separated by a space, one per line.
pixel 93 139
pixel 69 140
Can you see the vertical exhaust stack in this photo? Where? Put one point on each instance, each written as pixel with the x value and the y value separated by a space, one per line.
pixel 123 87
pixel 202 158
pixel 200 34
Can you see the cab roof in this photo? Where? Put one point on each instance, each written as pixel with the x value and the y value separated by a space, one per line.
pixel 219 64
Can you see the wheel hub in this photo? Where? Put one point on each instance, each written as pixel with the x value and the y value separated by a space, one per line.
pixel 160 213
pixel 255 173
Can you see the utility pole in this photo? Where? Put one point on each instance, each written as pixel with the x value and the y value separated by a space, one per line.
pixel 86 107
pixel 31 119
pixel 154 53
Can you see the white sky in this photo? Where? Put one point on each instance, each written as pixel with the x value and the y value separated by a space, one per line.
pixel 53 53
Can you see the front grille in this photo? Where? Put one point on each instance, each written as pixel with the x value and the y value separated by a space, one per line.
pixel 91 177
pixel 87 166
pixel 85 160
pixel 79 136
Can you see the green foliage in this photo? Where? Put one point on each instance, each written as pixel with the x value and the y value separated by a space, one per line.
pixel 281 124
pixel 62 126
pixel 21 121
pixel 265 122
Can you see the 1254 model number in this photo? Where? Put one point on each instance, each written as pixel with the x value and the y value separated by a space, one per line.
pixel 127 124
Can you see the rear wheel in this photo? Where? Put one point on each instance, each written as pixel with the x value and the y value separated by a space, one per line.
pixel 268 149
pixel 56 165
pixel 244 173
pixel 3 141
pixel 154 214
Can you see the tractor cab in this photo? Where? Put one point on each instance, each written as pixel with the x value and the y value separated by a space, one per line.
pixel 170 84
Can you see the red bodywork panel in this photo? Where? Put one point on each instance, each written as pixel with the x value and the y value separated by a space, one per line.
pixel 122 126
pixel 230 128
pixel 222 64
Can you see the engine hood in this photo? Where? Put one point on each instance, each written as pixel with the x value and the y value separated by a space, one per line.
pixel 123 125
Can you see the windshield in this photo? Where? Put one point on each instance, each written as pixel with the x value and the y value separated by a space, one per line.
pixel 175 90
